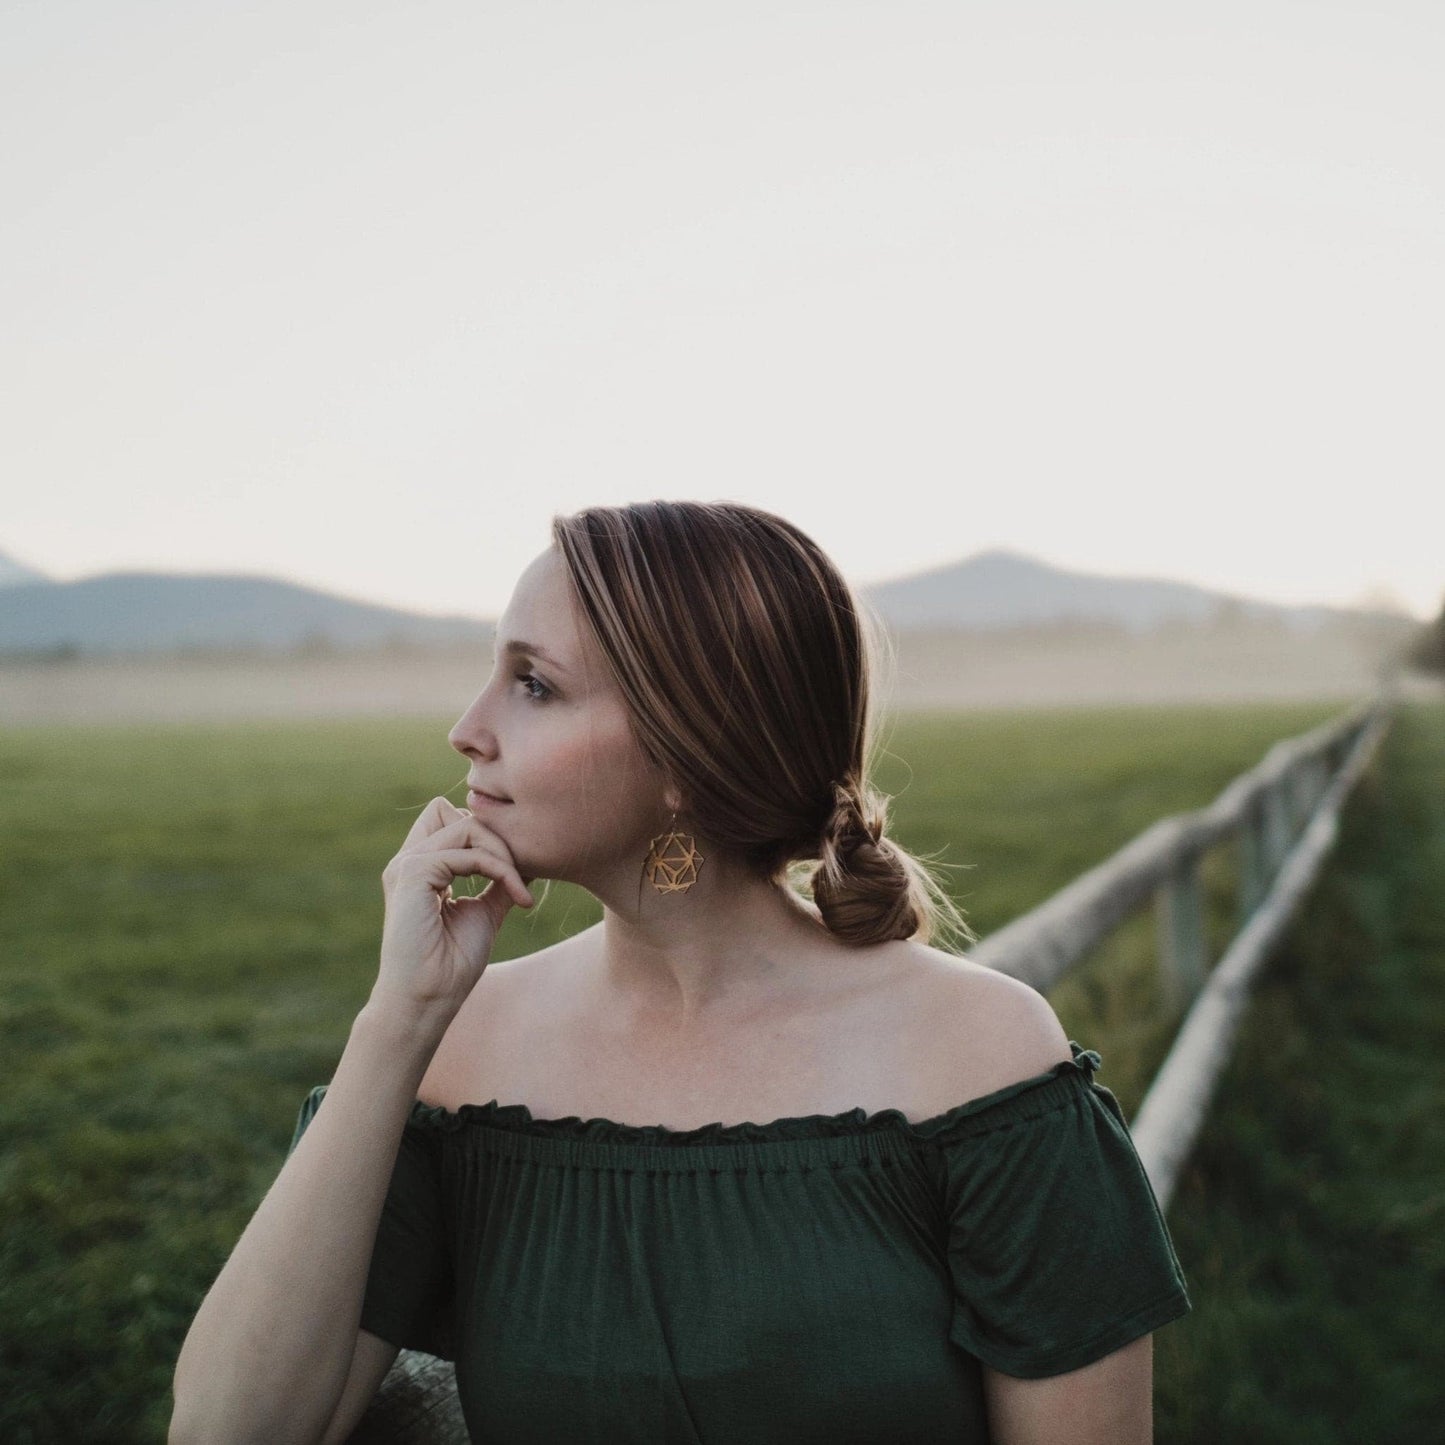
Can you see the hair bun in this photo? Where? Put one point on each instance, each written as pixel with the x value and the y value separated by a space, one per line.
pixel 853 822
pixel 863 894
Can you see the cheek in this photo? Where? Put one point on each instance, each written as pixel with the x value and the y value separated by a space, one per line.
pixel 558 765
pixel 594 778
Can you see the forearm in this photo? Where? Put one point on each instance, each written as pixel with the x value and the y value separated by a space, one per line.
pixel 267 1355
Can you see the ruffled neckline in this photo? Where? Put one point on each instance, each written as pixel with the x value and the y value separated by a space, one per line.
pixel 519 1119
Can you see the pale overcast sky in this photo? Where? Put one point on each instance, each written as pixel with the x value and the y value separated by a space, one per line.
pixel 360 294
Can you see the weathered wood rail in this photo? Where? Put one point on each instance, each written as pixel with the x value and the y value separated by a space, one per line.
pixel 1284 815
pixel 1169 1118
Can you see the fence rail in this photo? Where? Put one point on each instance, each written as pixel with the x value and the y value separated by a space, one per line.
pixel 1169 1119
pixel 1283 813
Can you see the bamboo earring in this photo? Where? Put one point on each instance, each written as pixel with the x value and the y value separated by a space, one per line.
pixel 673 861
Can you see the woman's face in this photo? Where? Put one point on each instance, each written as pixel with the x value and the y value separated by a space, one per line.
pixel 550 733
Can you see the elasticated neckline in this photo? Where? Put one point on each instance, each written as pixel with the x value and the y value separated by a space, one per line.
pixel 1027 1098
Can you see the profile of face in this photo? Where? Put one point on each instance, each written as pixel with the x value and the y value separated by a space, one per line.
pixel 550 733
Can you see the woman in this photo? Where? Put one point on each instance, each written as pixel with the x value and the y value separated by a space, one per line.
pixel 940 1230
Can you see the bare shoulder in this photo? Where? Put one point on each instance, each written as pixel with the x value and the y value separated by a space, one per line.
pixel 983 1029
pixel 487 1019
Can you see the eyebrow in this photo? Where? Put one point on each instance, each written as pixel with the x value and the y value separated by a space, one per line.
pixel 531 649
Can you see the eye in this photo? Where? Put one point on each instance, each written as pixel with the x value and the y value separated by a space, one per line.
pixel 528 680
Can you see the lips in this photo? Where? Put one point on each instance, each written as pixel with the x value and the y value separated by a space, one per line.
pixel 486 797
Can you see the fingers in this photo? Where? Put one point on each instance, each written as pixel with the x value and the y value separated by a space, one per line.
pixel 462 830
pixel 442 830
pixel 437 814
pixel 438 867
pixel 442 825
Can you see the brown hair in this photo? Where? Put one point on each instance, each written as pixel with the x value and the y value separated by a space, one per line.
pixel 746 663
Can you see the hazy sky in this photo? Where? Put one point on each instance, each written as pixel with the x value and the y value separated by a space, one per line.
pixel 361 294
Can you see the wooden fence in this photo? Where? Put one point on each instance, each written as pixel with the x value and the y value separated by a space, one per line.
pixel 1169 1118
pixel 1283 814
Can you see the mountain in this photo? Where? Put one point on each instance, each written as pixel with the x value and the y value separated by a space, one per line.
pixel 1000 589
pixel 157 612
pixel 14 573
pixel 151 612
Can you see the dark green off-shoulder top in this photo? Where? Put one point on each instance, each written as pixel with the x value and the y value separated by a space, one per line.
pixel 833 1278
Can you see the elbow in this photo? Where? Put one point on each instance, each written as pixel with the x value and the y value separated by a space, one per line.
pixel 188 1427
pixel 233 1411
pixel 192 1427
pixel 182 1431
pixel 189 1423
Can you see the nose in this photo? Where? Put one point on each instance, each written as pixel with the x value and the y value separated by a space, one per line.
pixel 470 733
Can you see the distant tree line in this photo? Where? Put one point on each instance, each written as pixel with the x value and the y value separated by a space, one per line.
pixel 1426 652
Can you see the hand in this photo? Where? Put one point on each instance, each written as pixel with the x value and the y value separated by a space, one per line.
pixel 434 948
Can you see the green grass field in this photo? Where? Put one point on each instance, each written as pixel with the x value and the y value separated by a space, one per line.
pixel 1312 1218
pixel 191 920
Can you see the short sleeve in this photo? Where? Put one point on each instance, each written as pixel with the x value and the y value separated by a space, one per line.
pixel 409 1290
pixel 1058 1251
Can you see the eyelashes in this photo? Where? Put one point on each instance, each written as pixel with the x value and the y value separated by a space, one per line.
pixel 526 678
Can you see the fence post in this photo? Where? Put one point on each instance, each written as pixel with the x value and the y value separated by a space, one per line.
pixel 1179 910
pixel 1275 827
pixel 1253 862
pixel 1298 799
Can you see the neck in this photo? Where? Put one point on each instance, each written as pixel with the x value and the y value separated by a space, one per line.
pixel 730 944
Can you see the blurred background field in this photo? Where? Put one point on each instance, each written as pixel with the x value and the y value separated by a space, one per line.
pixel 192 914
